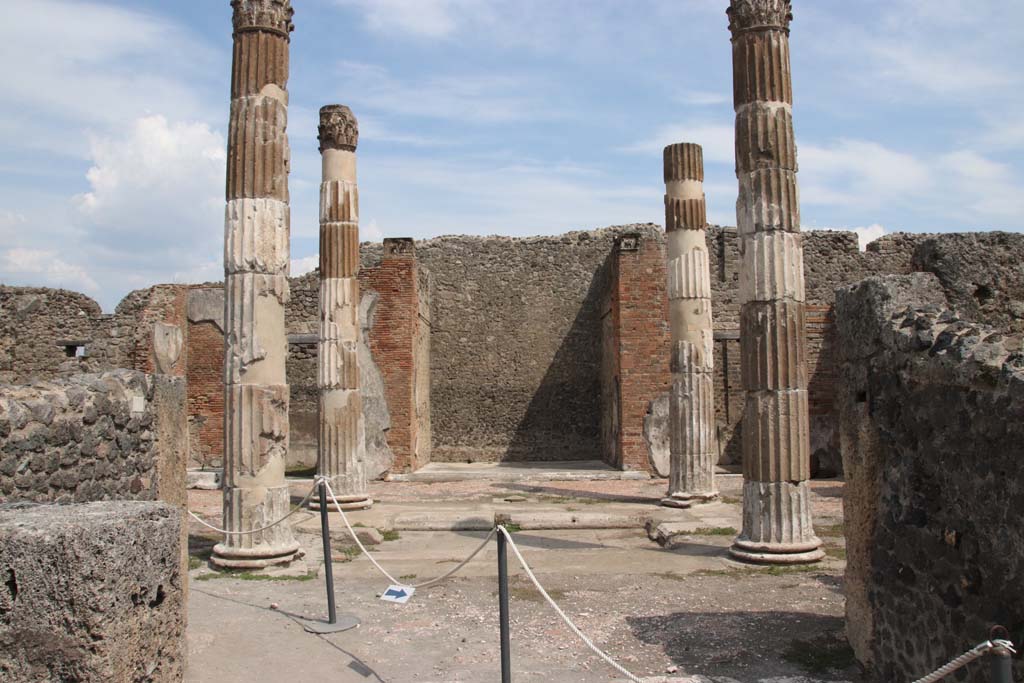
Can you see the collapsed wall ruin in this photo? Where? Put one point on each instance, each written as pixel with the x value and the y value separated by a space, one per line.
pixel 92 592
pixel 931 410
pixel 477 339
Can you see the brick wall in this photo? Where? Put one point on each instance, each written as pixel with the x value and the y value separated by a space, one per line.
pixel 639 310
pixel 205 394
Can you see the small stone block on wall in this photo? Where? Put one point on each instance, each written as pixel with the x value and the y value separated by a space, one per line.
pixel 91 592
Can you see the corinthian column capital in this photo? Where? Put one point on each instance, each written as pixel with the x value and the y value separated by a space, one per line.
pixel 274 16
pixel 339 128
pixel 754 15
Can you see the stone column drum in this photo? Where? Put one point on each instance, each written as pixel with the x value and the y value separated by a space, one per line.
pixel 256 260
pixel 341 453
pixel 776 444
pixel 692 448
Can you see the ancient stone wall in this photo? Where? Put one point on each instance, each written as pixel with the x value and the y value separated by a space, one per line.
pixel 42 330
pixel 514 329
pixel 91 592
pixel 932 422
pixel 119 435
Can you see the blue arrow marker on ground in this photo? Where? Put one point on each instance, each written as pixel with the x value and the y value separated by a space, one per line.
pixel 392 593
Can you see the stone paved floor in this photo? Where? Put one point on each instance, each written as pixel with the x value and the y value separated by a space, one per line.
pixel 685 610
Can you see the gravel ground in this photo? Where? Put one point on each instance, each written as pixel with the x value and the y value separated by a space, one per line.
pixel 735 622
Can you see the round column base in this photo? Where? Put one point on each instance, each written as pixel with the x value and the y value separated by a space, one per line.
pixel 226 557
pixel 777 553
pixel 686 500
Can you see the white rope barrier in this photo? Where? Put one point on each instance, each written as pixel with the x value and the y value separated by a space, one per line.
pixel 300 506
pixel 966 658
pixel 381 569
pixel 568 622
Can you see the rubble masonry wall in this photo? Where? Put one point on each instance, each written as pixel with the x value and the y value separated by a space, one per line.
pixel 932 425
pixel 119 435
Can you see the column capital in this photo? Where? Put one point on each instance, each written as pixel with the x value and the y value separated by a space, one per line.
pixel 684 161
pixel 759 15
pixel 339 128
pixel 274 16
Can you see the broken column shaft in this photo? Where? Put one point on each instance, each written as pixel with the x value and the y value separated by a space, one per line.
pixel 341 453
pixel 776 444
pixel 256 260
pixel 691 404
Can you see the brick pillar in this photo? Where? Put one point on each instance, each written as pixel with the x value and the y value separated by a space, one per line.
pixel 777 525
pixel 397 327
pixel 639 310
pixel 256 261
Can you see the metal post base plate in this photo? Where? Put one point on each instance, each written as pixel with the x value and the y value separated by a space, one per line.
pixel 346 622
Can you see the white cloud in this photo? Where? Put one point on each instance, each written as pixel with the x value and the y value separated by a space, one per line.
pixel 716 139
pixel 155 208
pixel 486 97
pixel 982 190
pixel 306 264
pixel 860 173
pixel 420 18
pixel 42 267
pixel 370 232
pixel 488 196
pixel 935 68
pixel 702 98
pixel 101 66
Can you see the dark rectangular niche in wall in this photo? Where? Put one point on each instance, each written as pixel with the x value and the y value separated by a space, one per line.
pixel 74 348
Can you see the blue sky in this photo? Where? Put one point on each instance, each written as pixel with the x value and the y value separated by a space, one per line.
pixel 513 117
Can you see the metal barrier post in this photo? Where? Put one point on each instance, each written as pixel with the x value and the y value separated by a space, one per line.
pixel 1000 661
pixel 325 532
pixel 347 621
pixel 506 648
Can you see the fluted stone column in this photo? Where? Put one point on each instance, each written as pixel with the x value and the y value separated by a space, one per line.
pixel 776 445
pixel 692 401
pixel 256 259
pixel 341 453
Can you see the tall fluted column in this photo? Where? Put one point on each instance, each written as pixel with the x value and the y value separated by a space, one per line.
pixel 776 444
pixel 256 259
pixel 692 402
pixel 341 452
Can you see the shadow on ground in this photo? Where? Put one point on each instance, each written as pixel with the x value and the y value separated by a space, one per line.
pixel 737 644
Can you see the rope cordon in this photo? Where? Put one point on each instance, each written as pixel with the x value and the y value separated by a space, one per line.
pixel 381 569
pixel 979 650
pixel 568 622
pixel 298 507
